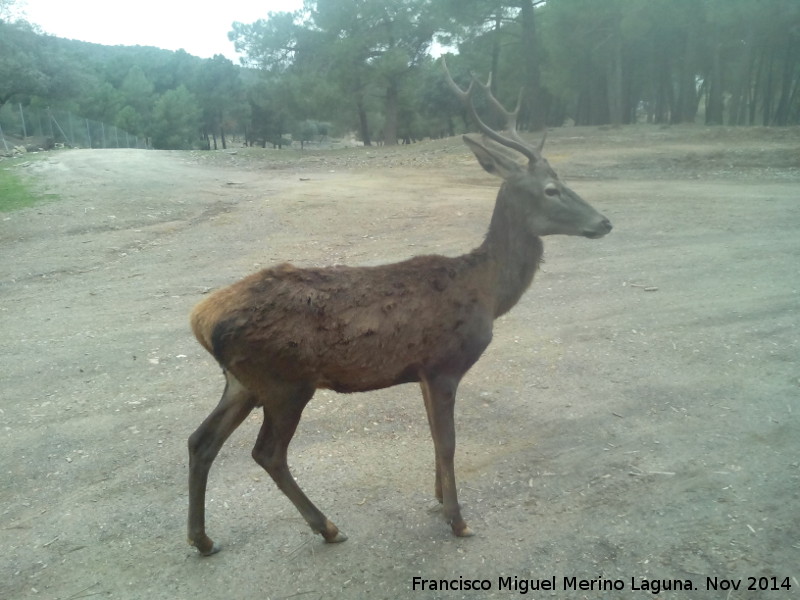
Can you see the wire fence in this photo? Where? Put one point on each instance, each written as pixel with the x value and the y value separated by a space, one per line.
pixel 35 128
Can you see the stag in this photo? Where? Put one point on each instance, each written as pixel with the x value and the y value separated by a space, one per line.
pixel 284 332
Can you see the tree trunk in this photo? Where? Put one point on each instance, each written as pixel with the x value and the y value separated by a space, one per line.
pixel 498 21
pixel 767 102
pixel 363 123
pixel 686 109
pixel 614 82
pixel 740 100
pixel 665 99
pixel 782 111
pixel 390 125
pixel 533 113
pixel 754 90
pixel 714 104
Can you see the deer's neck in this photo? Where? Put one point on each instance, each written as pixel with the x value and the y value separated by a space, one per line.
pixel 514 253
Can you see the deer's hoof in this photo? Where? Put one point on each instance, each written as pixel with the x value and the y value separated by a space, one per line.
pixel 332 534
pixel 213 550
pixel 463 531
pixel 339 537
pixel 205 547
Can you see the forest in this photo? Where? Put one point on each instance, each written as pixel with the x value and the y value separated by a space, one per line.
pixel 369 68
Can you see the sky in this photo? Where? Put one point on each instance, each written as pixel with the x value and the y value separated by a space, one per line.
pixel 169 24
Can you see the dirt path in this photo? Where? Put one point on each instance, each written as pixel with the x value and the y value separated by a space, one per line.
pixel 636 417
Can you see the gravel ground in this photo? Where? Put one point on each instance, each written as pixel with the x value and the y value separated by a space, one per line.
pixel 635 418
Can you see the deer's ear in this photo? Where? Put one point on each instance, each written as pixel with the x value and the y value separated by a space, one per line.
pixel 492 161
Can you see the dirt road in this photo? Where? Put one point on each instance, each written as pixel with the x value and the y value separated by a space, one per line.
pixel 635 419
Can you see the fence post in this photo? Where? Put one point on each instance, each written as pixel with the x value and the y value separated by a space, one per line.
pixel 22 118
pixel 50 126
pixel 53 120
pixel 5 145
pixel 71 129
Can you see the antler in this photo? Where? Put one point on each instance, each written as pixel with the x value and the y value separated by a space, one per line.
pixel 512 139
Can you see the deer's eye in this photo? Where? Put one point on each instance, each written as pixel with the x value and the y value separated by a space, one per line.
pixel 552 190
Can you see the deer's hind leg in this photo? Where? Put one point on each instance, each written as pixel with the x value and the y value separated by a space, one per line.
pixel 283 405
pixel 236 403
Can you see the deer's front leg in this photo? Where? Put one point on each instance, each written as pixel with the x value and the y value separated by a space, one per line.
pixel 426 395
pixel 439 393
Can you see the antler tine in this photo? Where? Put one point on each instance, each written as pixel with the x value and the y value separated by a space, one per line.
pixel 514 141
pixel 465 96
pixel 541 143
pixel 509 116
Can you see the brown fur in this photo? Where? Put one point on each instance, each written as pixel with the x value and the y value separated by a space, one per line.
pixel 352 329
pixel 284 332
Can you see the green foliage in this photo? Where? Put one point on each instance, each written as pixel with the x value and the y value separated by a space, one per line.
pixel 15 193
pixel 674 60
pixel 128 119
pixel 176 115
pixel 220 93
pixel 351 59
pixel 24 68
pixel 364 66
pixel 121 85
pixel 268 44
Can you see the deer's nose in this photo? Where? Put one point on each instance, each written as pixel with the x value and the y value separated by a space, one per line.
pixel 602 228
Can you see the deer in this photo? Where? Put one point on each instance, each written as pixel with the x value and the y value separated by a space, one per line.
pixel 284 332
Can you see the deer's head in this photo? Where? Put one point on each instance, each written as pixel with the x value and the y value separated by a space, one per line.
pixel 533 194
